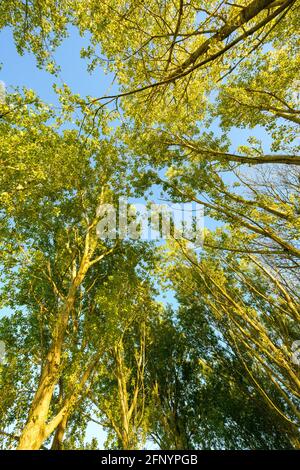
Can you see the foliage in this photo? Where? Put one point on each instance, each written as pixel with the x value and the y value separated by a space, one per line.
pixel 87 339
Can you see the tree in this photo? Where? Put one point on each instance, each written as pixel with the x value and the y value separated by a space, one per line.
pixel 120 395
pixel 256 315
pixel 87 339
pixel 57 251
pixel 202 397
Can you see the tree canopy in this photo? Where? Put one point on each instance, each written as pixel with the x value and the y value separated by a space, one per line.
pixel 160 343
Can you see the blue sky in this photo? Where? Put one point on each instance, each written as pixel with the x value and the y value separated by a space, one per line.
pixel 22 71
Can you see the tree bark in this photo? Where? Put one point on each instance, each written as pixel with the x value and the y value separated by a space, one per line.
pixel 57 443
pixel 36 430
pixel 247 13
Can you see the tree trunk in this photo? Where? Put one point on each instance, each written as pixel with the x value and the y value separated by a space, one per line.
pixel 57 443
pixel 35 430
